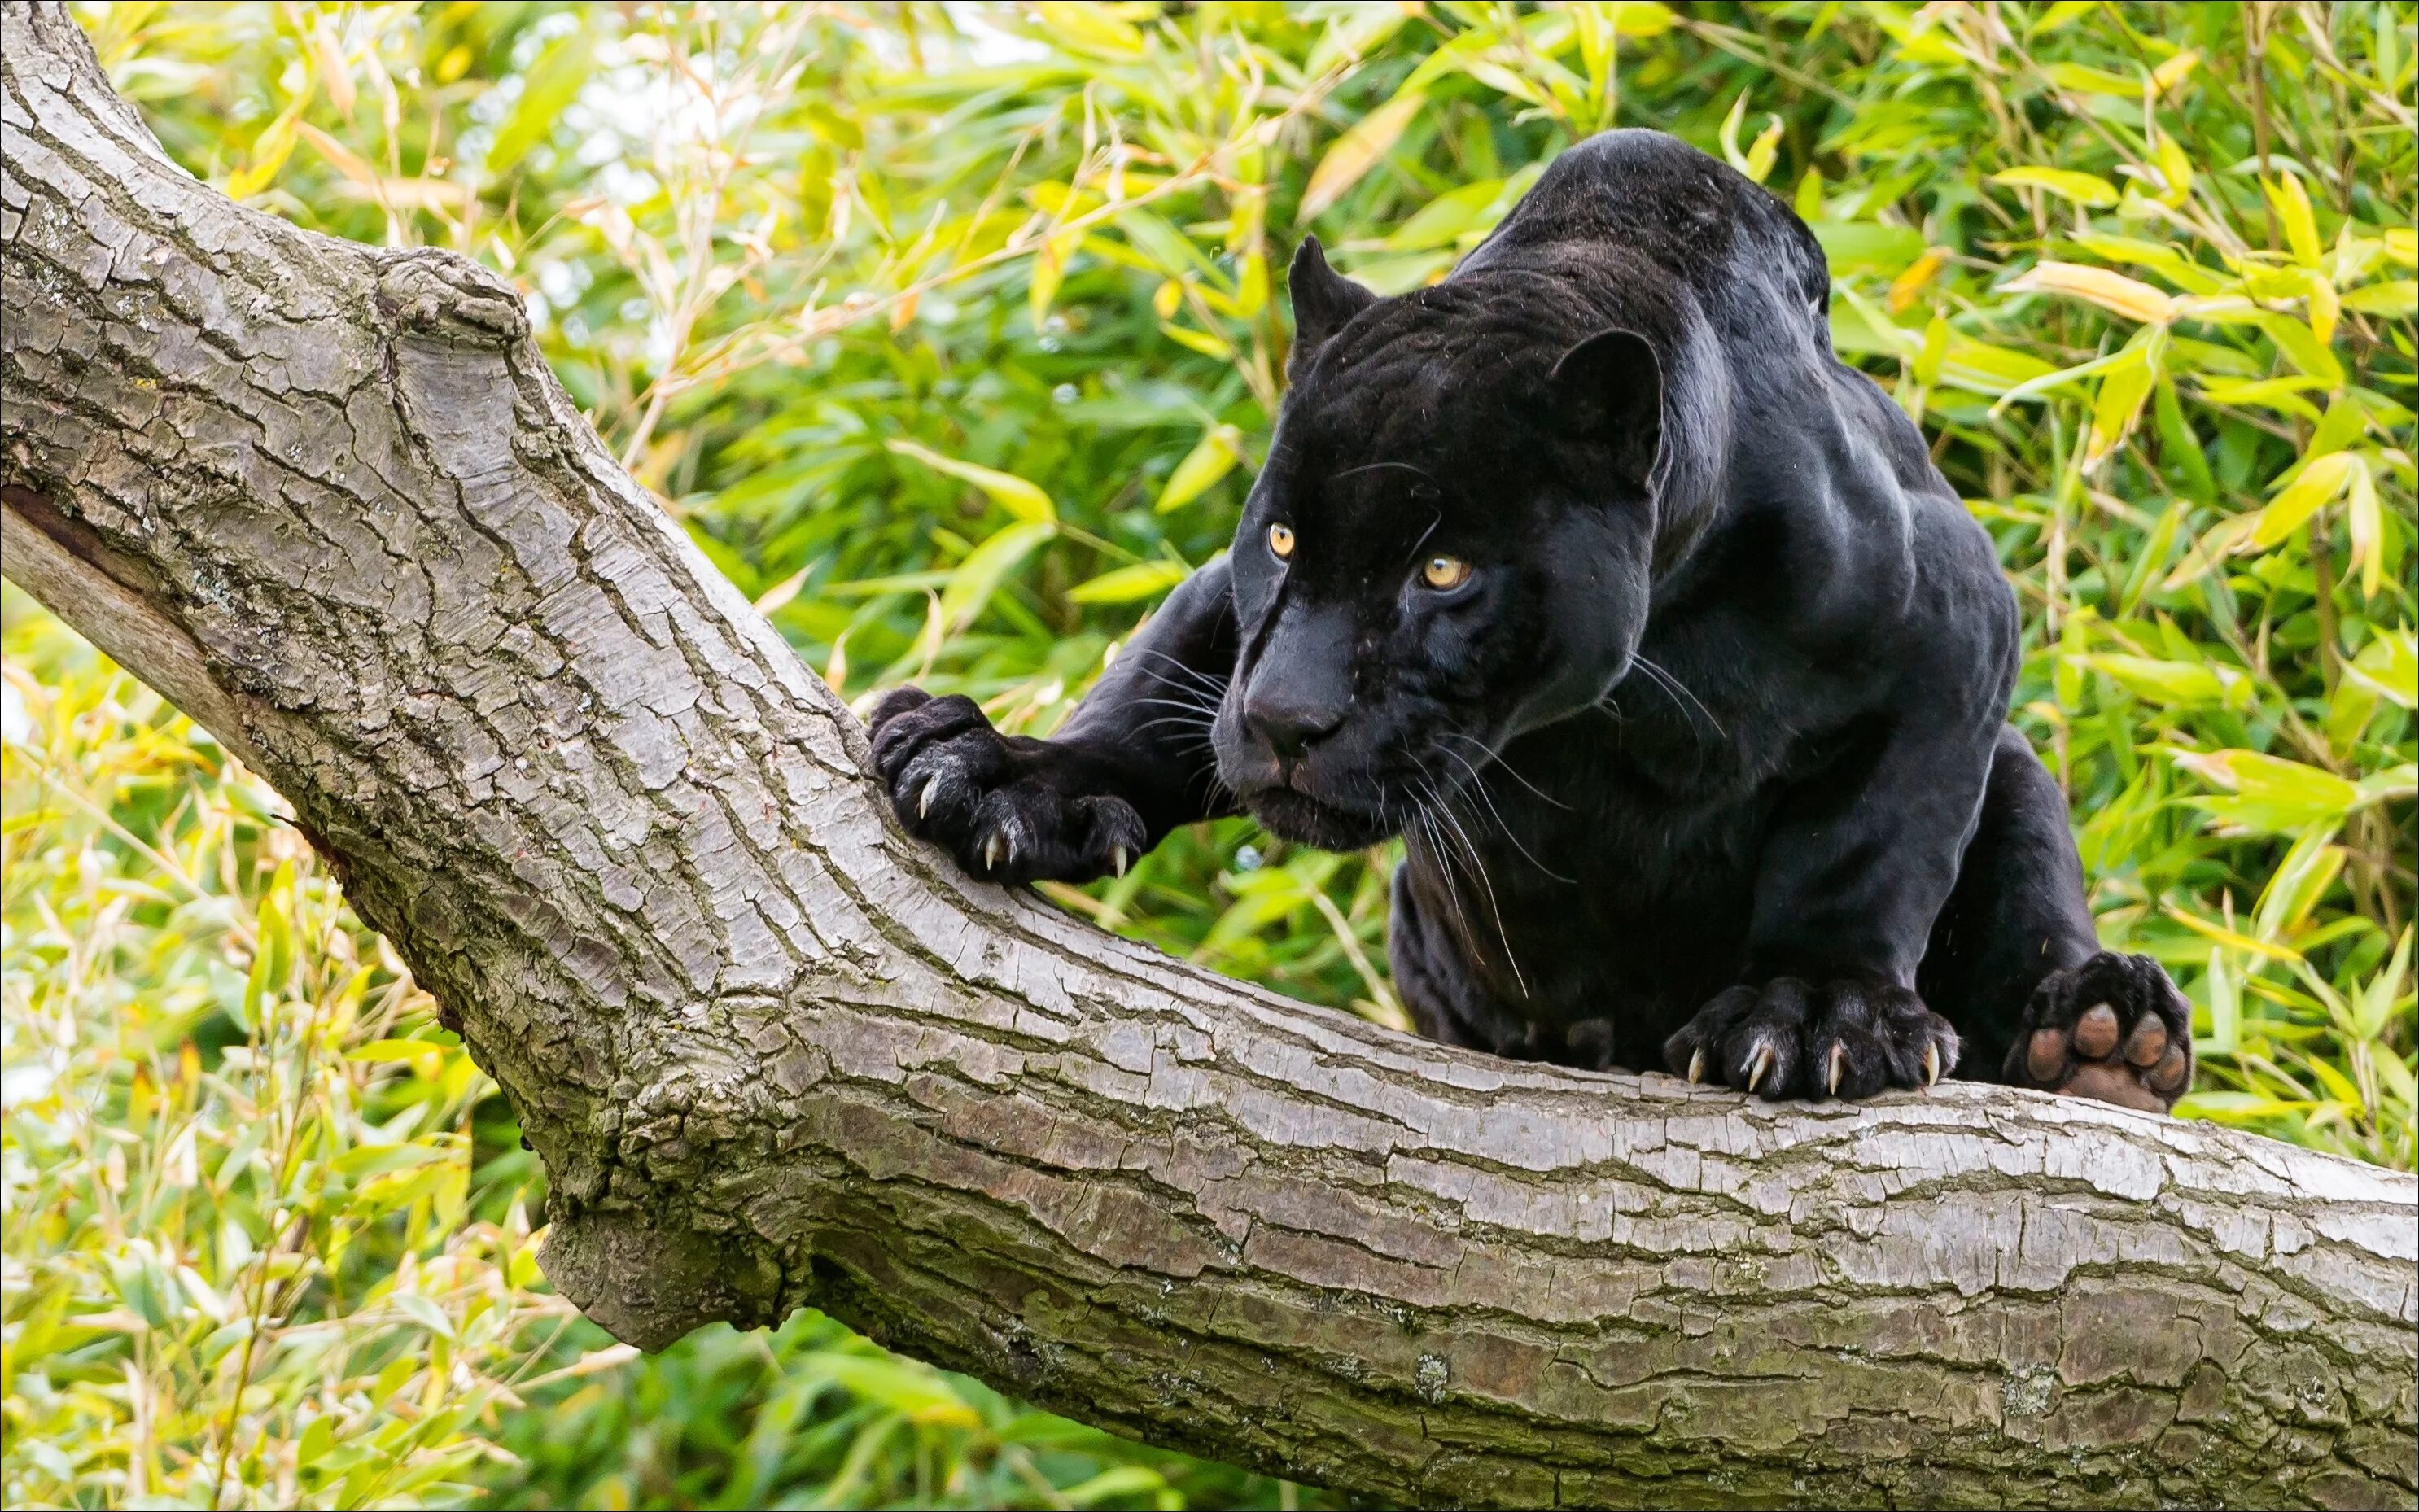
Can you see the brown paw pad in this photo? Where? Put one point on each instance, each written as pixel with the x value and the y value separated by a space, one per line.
pixel 2145 1069
pixel 2111 1028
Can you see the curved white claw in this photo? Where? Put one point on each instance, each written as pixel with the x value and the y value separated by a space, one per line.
pixel 1931 1064
pixel 995 851
pixel 924 796
pixel 1839 1064
pixel 1760 1063
pixel 1119 859
pixel 1696 1065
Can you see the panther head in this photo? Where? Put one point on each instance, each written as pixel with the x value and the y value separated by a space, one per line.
pixel 1450 544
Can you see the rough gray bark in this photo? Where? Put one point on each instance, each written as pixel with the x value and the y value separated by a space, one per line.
pixel 330 499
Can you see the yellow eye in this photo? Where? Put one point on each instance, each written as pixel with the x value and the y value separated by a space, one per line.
pixel 1445 572
pixel 1281 540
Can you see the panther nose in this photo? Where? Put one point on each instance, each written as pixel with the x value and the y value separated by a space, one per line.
pixel 1286 728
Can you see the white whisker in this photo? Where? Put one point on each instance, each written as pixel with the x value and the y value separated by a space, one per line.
pixel 1672 684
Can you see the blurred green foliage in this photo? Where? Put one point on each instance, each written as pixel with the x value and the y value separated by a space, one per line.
pixel 949 332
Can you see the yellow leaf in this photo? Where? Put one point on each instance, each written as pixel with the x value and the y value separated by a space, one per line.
pixel 2230 938
pixel 1144 580
pixel 1641 18
pixel 441 195
pixel 2170 74
pixel 1091 28
pixel 2367 524
pixel 1200 341
pixel 1252 288
pixel 2326 307
pixel 2128 297
pixel 2303 497
pixel 1216 454
pixel 268 154
pixel 1756 161
pixel 382 1050
pixel 2082 188
pixel 1933 351
pixel 2402 245
pixel 1765 148
pixel 1356 152
pixel 1024 500
pixel 1909 287
pixel 1048 271
pixel 2175 166
pixel 342 157
pixel 2301 228
pixel 836 669
pixel 333 71
pixel 2208 549
pixel 782 591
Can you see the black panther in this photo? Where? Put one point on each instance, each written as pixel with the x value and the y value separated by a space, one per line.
pixel 1652 629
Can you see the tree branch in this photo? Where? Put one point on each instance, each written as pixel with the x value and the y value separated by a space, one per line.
pixel 330 499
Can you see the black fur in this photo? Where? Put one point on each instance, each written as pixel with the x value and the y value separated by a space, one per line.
pixel 1705 762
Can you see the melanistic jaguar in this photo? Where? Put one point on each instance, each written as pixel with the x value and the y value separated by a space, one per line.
pixel 1652 628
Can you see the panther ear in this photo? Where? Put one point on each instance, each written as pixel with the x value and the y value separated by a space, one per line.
pixel 1323 301
pixel 1609 388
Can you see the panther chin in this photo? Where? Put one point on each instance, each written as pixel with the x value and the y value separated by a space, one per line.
pixel 1293 815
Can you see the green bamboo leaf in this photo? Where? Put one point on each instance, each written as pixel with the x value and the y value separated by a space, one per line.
pixel 1865 246
pixel 2084 78
pixel 1979 367
pixel 2270 794
pixel 2309 868
pixel 2395 300
pixel 2394 782
pixel 2120 402
pixel 548 88
pixel 2180 449
pixel 980 575
pixel 916 1392
pixel 2180 684
pixel 1444 219
pixel 2225 1005
pixel 1019 498
pixel 2389 667
pixel 2300 343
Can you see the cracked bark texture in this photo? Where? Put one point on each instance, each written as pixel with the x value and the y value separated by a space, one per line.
pixel 330 499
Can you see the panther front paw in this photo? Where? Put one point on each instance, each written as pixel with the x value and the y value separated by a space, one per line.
pixel 2113 1029
pixel 1008 808
pixel 1789 1037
